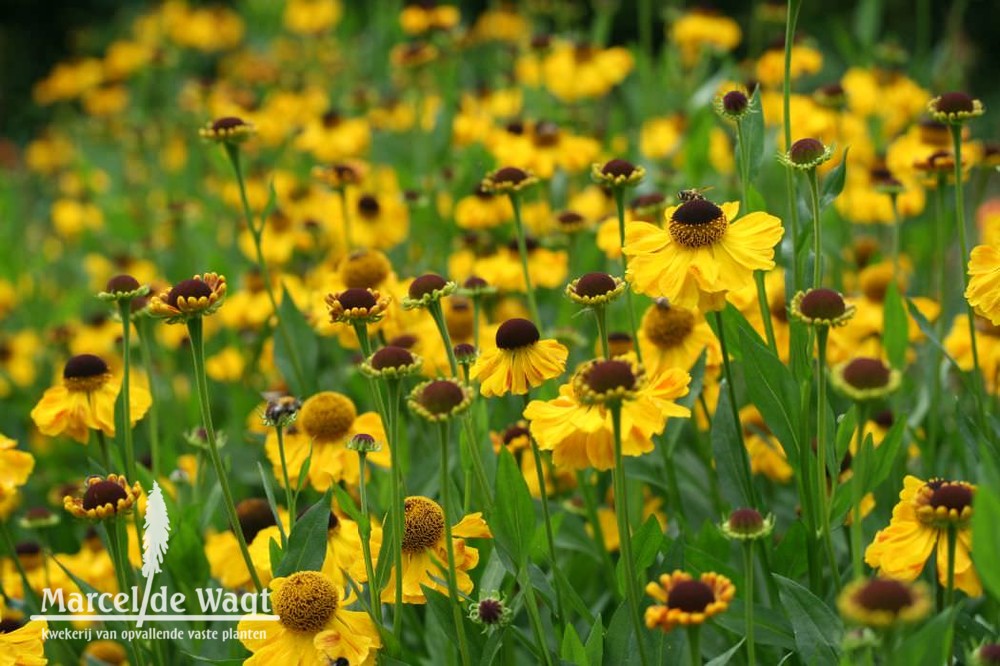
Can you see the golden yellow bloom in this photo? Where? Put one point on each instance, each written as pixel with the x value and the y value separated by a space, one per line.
pixel 417 19
pixel 767 456
pixel 684 601
pixel 926 510
pixel 314 628
pixel 697 31
pixel 882 603
pixel 700 255
pixel 311 17
pixel 104 497
pixel 574 72
pixel 425 551
pixel 85 400
pixel 22 644
pixel 199 296
pixel 983 292
pixel 520 360
pixel 357 305
pixel 674 337
pixel 222 549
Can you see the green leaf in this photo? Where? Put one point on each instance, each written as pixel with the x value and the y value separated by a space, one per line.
pixel 572 649
pixel 986 536
pixel 833 184
pixel 275 553
pixel 294 340
pixel 595 642
pixel 307 542
pixel 730 454
pixel 753 133
pixel 929 645
pixel 775 393
pixel 269 493
pixel 513 521
pixel 770 627
pixel 346 503
pixel 895 327
pixel 817 630
pixel 876 462
pixel 726 656
pixel 646 542
pixel 385 562
pixel 790 554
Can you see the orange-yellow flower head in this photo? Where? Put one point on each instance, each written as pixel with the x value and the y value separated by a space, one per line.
pixel 700 256
pixel 520 361
pixel 983 292
pixel 199 296
pixel 882 603
pixel 685 601
pixel 104 497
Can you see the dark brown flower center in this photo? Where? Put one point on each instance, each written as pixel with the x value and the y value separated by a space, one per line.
pixel 822 304
pixel 690 596
pixel 406 341
pixel 190 288
pixel 103 493
pixel 593 285
pixel 426 284
pixel 83 366
pixel 391 357
pixel 357 298
pixel 735 102
pixel 441 396
pixel 490 611
pixel 516 333
pixel 954 102
pixel 569 218
pixel 883 594
pixel 866 373
pixel 368 206
pixel 227 123
pixel 121 283
pixel 618 168
pixel 254 515
pixel 955 496
pixel 510 175
pixel 746 520
pixel 805 151
pixel 605 376
pixel 514 432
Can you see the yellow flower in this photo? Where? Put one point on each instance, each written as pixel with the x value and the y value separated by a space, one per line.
pixel 580 435
pixel 222 549
pixel 85 400
pixel 684 601
pixel 701 30
pixel 104 497
pixel 700 256
pixel 314 628
pixel 983 292
pixel 425 551
pixel 926 510
pixel 674 337
pixel 15 466
pixel 574 72
pixel 958 344
pixel 23 645
pixel 311 17
pixel 519 362
pixel 882 603
pixel 767 456
pixel 199 296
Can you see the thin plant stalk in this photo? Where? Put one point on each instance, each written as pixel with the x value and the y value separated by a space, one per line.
pixel 438 314
pixel 393 394
pixel 823 510
pixel 547 519
pixel 896 222
pixel 152 416
pixel 625 532
pixel 102 442
pixel 124 310
pixel 279 432
pixel 534 617
pixel 366 548
pixel 345 213
pixel 453 593
pixel 619 193
pixel 748 572
pixel 590 507
pixel 522 248
pixel 734 408
pixel 694 644
pixel 817 231
pixel 758 276
pixel 949 590
pixel 256 233
pixel 195 334
pixel 857 531
pixel 601 315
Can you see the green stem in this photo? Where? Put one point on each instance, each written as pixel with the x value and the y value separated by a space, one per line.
pixel 549 537
pixel 734 408
pixel 265 273
pixel 434 307
pixel 124 310
pixel 949 591
pixel 601 315
pixel 817 235
pixel 896 222
pixel 522 247
pixel 748 570
pixel 619 193
pixel 694 643
pixel 102 441
pixel 153 415
pixel 456 606
pixel 625 532
pixel 366 548
pixel 857 533
pixel 195 334
pixel 289 495
pixel 822 499
pixel 534 617
pixel 393 395
pixel 476 455
pixel 590 506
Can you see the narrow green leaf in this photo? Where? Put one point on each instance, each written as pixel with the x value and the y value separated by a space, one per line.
pixel 928 645
pixel 729 451
pixel 295 337
pixel 595 642
pixel 754 132
pixel 513 520
pixel 774 392
pixel 726 656
pixel 269 493
pixel 833 184
pixel 572 649
pixel 646 542
pixel 307 542
pixel 986 536
pixel 895 327
pixel 816 628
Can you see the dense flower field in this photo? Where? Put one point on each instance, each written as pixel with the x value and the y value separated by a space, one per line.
pixel 422 336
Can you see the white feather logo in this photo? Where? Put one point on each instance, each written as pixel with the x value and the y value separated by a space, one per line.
pixel 156 533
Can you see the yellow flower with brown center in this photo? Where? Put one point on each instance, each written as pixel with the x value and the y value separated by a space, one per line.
pixel 520 361
pixel 258 525
pixel 425 550
pixel 919 526
pixel 85 401
pixel 865 378
pixel 364 269
pixel 954 108
pixel 671 336
pixel 22 644
pixel 199 296
pixel 506 180
pixel 595 289
pixel 228 130
pixel 357 305
pixel 684 601
pixel 313 627
pixel 104 497
pixel 700 256
pixel 983 292
pixel 617 173
pixel 883 603
pixel 326 423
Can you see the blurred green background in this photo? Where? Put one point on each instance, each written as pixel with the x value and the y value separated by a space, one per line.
pixel 956 47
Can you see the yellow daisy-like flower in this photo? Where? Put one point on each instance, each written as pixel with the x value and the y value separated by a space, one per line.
pixel 199 296
pixel 15 466
pixel 919 525
pixel 684 601
pixel 865 378
pixel 425 551
pixel 674 337
pixel 104 497
pixel 85 401
pixel 983 292
pixel 520 361
pixel 313 629
pixel 507 179
pixel 325 424
pixel 222 549
pixel 882 603
pixel 22 644
pixel 617 173
pixel 579 431
pixel 700 255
